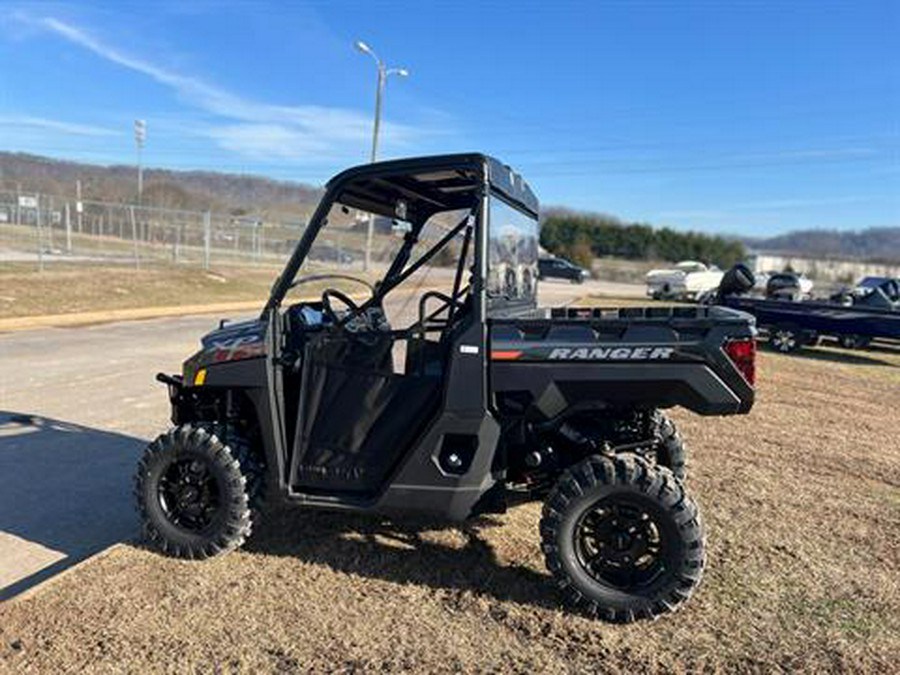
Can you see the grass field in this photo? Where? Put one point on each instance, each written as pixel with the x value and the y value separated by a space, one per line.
pixel 65 288
pixel 802 505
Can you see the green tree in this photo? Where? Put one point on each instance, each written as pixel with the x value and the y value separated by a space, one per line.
pixel 571 234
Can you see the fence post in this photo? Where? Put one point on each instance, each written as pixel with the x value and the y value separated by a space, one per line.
pixel 68 229
pixel 207 235
pixel 137 258
pixel 37 227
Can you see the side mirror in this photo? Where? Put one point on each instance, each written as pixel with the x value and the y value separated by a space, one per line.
pixel 739 279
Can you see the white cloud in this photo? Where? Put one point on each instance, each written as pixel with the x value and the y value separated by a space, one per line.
pixel 267 141
pixel 255 129
pixel 31 122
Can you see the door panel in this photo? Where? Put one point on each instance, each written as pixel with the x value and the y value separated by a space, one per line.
pixel 356 416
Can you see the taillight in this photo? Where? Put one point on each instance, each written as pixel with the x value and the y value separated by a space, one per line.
pixel 743 355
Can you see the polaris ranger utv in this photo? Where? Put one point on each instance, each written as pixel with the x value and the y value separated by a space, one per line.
pixel 476 400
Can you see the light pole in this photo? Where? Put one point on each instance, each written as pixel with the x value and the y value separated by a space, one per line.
pixel 140 135
pixel 383 73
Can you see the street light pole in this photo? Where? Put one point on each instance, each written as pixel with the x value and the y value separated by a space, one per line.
pixel 379 92
pixel 383 73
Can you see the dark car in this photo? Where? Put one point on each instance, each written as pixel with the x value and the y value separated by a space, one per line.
pixel 558 268
pixel 330 254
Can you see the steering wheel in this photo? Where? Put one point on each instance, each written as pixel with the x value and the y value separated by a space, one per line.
pixel 329 293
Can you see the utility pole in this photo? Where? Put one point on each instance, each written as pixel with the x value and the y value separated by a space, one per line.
pixel 383 73
pixel 79 207
pixel 68 229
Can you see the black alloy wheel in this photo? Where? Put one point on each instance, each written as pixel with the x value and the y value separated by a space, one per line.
pixel 192 495
pixel 622 538
pixel 188 494
pixel 619 541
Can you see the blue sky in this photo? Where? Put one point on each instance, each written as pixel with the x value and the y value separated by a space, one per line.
pixel 738 117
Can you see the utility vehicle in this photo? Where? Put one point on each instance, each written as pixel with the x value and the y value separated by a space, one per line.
pixel 473 401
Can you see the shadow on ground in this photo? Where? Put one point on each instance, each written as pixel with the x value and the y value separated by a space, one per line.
pixel 458 558
pixel 66 488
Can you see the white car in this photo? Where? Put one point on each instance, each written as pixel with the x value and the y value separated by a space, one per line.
pixel 687 281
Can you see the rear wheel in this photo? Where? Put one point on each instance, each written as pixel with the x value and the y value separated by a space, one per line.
pixel 622 539
pixel 191 495
pixel 670 450
pixel 854 341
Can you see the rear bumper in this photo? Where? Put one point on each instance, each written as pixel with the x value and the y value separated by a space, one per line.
pixel 557 386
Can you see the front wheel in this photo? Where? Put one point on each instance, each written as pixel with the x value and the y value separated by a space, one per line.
pixel 622 538
pixel 192 496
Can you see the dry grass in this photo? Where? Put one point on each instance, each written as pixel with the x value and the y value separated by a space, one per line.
pixel 69 288
pixel 64 288
pixel 802 505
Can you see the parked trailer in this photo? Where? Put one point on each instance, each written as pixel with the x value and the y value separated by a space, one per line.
pixel 792 325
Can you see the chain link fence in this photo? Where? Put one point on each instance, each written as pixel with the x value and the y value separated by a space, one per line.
pixel 43 229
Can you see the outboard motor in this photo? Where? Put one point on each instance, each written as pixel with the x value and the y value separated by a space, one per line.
pixel 783 286
pixel 736 281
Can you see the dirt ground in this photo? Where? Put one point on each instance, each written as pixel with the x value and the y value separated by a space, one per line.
pixel 802 505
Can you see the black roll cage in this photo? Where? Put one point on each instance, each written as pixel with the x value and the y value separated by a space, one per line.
pixel 359 187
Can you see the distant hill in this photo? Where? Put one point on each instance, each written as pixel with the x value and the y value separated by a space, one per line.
pixel 877 244
pixel 244 194
pixel 195 190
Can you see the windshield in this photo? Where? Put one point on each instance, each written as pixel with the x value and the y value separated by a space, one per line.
pixel 337 258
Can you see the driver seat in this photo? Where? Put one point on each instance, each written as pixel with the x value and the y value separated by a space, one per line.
pixel 428 356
